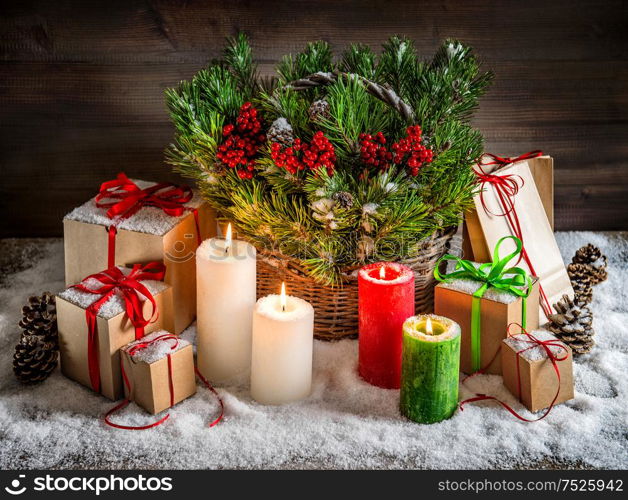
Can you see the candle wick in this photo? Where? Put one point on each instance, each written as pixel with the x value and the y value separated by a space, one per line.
pixel 283 308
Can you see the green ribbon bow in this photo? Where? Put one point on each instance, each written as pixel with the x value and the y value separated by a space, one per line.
pixel 494 274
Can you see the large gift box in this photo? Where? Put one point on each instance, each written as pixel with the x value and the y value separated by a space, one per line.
pixel 133 222
pixel 538 369
pixel 515 201
pixel 104 313
pixel 159 371
pixel 484 299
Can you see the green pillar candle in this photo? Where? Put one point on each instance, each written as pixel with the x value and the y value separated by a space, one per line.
pixel 429 368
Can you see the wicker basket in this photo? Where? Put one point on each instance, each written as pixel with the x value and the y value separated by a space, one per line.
pixel 336 308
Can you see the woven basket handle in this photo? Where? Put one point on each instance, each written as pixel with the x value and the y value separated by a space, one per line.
pixel 382 92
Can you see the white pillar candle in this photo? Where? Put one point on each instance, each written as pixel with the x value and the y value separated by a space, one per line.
pixel 226 293
pixel 281 366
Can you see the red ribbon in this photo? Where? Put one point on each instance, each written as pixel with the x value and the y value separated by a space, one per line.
pixel 134 350
pixel 110 281
pixel 125 198
pixel 534 342
pixel 506 187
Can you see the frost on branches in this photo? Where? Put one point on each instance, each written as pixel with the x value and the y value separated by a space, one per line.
pixel 336 157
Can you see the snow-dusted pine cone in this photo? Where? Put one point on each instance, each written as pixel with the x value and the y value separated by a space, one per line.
pixel 281 131
pixel 594 260
pixel 34 359
pixel 319 109
pixel 572 324
pixel 39 317
pixel 581 281
pixel 343 199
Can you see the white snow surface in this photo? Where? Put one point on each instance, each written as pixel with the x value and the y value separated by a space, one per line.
pixel 151 220
pixel 345 423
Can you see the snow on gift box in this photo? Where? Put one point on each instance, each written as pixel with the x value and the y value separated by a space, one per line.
pixel 104 313
pixel 131 222
pixel 484 299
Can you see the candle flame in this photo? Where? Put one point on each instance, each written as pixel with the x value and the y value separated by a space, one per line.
pixel 282 297
pixel 428 326
pixel 382 273
pixel 228 238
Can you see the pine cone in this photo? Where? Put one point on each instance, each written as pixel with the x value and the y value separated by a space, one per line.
pixel 34 359
pixel 319 109
pixel 581 281
pixel 281 131
pixel 343 199
pixel 595 262
pixel 39 317
pixel 572 324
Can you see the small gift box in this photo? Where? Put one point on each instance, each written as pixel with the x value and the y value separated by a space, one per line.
pixel 516 198
pixel 484 299
pixel 104 313
pixel 132 222
pixel 538 369
pixel 158 371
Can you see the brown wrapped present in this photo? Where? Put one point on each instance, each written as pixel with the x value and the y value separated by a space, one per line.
pixel 537 369
pixel 132 222
pixel 104 313
pixel 159 371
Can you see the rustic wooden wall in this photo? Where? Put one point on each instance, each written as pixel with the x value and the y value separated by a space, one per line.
pixel 81 87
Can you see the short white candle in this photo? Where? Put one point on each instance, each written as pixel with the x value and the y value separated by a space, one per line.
pixel 226 293
pixel 281 367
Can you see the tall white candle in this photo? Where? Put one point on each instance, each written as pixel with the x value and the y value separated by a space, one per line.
pixel 281 366
pixel 225 281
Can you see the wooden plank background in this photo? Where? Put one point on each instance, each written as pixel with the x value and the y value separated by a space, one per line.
pixel 81 87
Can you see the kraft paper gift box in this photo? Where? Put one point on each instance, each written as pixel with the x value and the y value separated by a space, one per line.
pixel 498 309
pixel 114 330
pixel 149 373
pixel 484 229
pixel 148 235
pixel 534 382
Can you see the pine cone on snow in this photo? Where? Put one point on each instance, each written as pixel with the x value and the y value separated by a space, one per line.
pixel 594 260
pixel 319 109
pixel 281 131
pixel 34 359
pixel 572 324
pixel 343 199
pixel 581 281
pixel 39 317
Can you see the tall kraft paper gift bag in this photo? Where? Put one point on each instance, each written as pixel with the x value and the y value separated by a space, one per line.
pixel 509 203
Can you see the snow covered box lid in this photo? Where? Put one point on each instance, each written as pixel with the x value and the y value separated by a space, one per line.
pixel 148 372
pixel 453 299
pixel 535 382
pixel 158 222
pixel 94 361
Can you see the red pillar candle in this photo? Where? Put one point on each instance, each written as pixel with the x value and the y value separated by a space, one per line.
pixel 385 301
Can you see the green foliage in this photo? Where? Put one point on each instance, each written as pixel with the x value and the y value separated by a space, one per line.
pixel 335 223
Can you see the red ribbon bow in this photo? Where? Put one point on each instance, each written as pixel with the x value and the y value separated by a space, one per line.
pixel 126 199
pixel 506 188
pixel 554 358
pixel 134 349
pixel 130 287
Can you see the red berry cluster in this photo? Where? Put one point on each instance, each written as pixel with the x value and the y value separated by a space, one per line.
pixel 374 152
pixel 302 155
pixel 410 151
pixel 243 141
